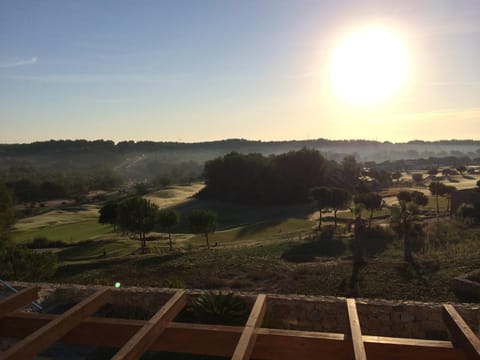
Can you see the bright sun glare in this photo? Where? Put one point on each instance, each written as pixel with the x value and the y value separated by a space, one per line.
pixel 369 66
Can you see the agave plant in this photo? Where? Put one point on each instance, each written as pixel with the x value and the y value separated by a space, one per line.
pixel 218 308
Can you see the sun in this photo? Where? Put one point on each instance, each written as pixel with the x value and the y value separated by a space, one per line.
pixel 369 66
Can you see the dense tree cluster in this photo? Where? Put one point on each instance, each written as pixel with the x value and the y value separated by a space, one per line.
pixel 33 185
pixel 277 179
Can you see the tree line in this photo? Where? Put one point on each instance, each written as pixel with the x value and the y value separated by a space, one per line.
pixel 30 185
pixel 276 179
pixel 136 217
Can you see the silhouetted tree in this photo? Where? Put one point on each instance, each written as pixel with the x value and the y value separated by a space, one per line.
pixel 109 214
pixel 323 199
pixel 432 171
pixel 438 189
pixel 168 219
pixel 396 176
pixel 403 217
pixel 203 222
pixel 351 169
pixel 461 169
pixel 371 202
pixel 339 199
pixel 417 178
pixel 137 216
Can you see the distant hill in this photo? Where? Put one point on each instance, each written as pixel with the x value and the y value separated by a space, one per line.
pixel 147 159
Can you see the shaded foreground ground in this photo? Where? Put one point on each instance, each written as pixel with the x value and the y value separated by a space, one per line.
pixel 264 266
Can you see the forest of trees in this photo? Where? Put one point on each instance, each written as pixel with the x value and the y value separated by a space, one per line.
pixel 30 185
pixel 277 179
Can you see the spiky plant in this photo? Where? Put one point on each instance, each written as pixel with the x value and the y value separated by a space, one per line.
pixel 218 308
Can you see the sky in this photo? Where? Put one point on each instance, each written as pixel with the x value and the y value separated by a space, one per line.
pixel 201 70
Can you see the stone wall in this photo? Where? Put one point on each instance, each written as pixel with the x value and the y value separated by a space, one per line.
pixel 408 319
pixel 465 288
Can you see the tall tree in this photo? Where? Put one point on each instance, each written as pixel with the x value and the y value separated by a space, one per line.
pixel 323 198
pixel 168 219
pixel 357 245
pixel 203 222
pixel 137 216
pixel 404 216
pixel 340 199
pixel 371 202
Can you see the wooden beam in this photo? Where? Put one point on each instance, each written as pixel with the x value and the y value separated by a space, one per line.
pixel 147 335
pixel 247 340
pixel 42 338
pixel 462 335
pixel 198 339
pixel 18 300
pixel 355 331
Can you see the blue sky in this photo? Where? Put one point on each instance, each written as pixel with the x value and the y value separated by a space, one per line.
pixel 204 70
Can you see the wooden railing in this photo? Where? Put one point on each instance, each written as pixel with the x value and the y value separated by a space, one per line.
pixel 134 337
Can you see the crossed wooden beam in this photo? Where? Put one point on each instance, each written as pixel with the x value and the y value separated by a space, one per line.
pixel 134 338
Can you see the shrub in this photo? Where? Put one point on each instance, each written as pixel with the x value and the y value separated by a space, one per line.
pixel 21 263
pixel 327 233
pixel 377 239
pixel 218 308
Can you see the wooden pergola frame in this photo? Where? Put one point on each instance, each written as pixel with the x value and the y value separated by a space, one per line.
pixel 134 337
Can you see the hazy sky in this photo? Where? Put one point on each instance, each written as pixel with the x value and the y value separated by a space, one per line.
pixel 194 70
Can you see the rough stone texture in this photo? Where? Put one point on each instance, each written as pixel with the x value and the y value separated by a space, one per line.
pixel 407 319
pixel 463 287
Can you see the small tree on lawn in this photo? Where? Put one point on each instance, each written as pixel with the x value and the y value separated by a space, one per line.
pixel 461 169
pixel 168 219
pixel 371 202
pixel 323 198
pixel 396 176
pixel 340 199
pixel 438 189
pixel 203 222
pixel 137 216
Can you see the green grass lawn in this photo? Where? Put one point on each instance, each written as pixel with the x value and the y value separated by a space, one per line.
pixel 251 234
pixel 71 232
